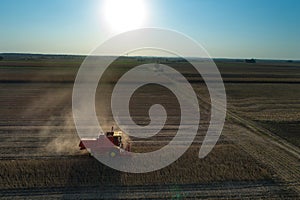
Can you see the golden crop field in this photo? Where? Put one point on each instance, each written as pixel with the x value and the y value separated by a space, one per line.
pixel 257 155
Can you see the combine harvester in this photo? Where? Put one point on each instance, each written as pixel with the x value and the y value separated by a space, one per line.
pixel 116 145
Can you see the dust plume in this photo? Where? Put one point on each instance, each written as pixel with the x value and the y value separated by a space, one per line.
pixel 67 140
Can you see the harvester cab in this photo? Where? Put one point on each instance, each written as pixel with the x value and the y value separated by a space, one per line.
pixel 115 137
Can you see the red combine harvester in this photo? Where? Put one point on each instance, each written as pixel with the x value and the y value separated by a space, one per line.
pixel 115 145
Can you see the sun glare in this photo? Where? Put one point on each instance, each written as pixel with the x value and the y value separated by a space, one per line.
pixel 123 15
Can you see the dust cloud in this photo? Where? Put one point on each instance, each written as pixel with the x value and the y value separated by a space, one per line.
pixel 67 140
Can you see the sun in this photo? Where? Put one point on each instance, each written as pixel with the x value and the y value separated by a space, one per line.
pixel 123 15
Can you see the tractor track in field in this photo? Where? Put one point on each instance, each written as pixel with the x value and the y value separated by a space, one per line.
pixel 228 190
pixel 269 149
pixel 282 158
pixel 285 166
pixel 42 157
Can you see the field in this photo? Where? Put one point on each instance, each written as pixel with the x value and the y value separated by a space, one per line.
pixel 257 156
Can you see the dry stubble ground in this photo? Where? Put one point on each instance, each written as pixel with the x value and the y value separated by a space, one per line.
pixel 39 142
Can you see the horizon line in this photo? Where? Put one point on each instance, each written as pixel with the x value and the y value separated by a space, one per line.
pixel 146 56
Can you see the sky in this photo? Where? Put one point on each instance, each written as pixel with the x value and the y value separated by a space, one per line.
pixel 225 28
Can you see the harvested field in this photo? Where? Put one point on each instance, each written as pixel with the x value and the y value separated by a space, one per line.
pixel 257 155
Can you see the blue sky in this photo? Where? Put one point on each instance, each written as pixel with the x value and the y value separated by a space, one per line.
pixel 226 28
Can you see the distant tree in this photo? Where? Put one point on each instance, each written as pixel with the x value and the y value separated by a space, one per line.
pixel 1 58
pixel 250 60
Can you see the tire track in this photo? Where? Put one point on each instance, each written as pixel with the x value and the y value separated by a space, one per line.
pixel 276 153
pixel 229 190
